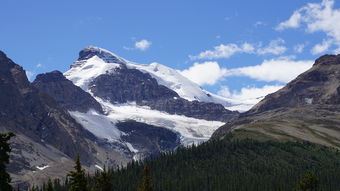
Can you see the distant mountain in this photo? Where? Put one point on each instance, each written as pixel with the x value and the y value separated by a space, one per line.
pixel 307 108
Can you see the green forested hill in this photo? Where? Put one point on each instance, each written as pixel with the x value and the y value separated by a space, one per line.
pixel 235 165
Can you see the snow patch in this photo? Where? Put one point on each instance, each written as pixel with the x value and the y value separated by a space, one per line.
pixel 131 148
pixel 99 167
pixel 42 167
pixel 100 125
pixel 309 101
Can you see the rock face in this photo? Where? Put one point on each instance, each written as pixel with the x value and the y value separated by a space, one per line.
pixel 148 140
pixel 307 108
pixel 46 133
pixel 127 85
pixel 131 85
pixel 94 51
pixel 72 97
pixel 319 85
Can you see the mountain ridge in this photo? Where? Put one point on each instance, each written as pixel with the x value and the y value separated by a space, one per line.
pixel 306 109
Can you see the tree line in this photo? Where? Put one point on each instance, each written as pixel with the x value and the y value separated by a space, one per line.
pixel 226 164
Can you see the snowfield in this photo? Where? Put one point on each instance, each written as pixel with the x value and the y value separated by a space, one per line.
pixel 103 126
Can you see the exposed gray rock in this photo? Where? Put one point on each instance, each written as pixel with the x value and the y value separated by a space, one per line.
pixel 42 127
pixel 131 85
pixel 70 96
pixel 148 140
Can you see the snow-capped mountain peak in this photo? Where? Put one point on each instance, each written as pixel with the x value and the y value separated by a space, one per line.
pixel 83 72
pixel 94 61
pixel 104 54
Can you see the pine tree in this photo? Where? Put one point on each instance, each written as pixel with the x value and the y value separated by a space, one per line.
pixel 146 181
pixel 77 181
pixel 5 149
pixel 309 182
pixel 49 186
pixel 104 181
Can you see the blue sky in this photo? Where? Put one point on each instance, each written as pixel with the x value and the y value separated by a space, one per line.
pixel 238 48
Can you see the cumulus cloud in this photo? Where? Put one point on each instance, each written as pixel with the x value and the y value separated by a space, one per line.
pixel 322 47
pixel 206 73
pixel 280 70
pixel 283 70
pixel 143 44
pixel 292 22
pixel 247 97
pixel 316 17
pixel 224 51
pixel 275 47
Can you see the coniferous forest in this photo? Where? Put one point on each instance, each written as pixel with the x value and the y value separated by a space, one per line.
pixel 225 165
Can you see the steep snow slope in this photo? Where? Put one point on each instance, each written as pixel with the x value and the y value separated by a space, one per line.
pixel 83 72
pixel 172 79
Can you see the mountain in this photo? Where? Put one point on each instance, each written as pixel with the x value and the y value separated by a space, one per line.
pixel 47 137
pixel 105 108
pixel 152 94
pixel 114 135
pixel 306 109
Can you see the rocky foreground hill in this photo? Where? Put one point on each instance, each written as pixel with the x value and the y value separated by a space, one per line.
pixel 307 108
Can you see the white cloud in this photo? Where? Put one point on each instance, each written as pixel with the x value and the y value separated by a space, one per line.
pixel 206 73
pixel 280 69
pixel 143 44
pixel 274 47
pixel 320 48
pixel 316 17
pixel 299 48
pixel 247 97
pixel 337 51
pixel 292 22
pixel 259 23
pixel 224 51
pixel 39 65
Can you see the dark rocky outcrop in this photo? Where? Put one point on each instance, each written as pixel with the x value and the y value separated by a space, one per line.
pixel 127 85
pixel 107 56
pixel 25 110
pixel 131 85
pixel 45 132
pixel 70 96
pixel 149 140
pixel 195 109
